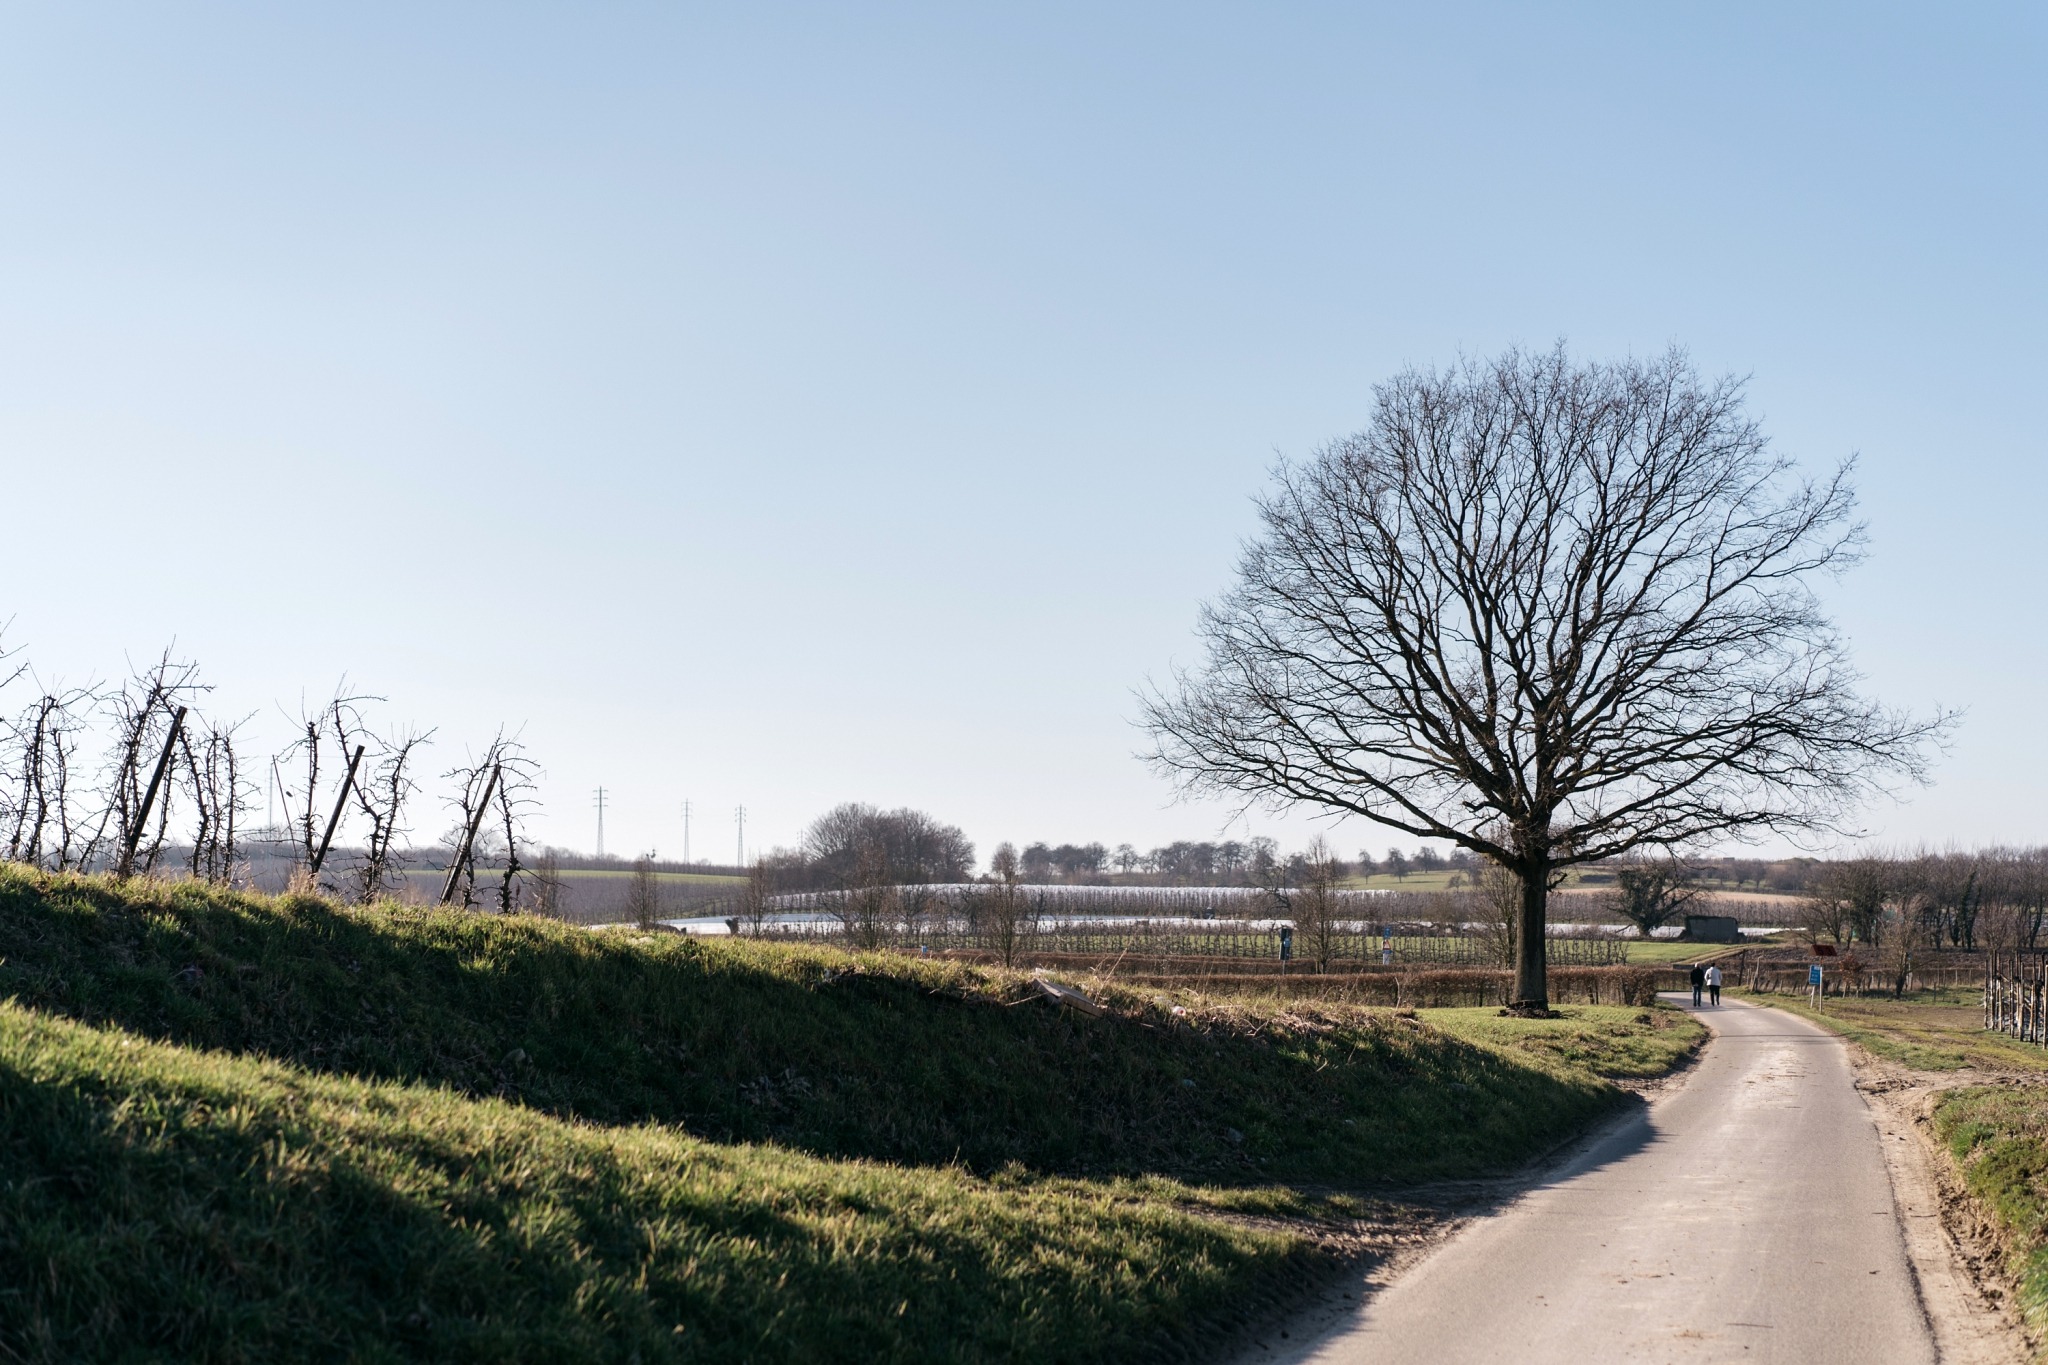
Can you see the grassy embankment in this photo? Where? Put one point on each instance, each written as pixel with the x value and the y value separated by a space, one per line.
pixel 1997 1134
pixel 234 1127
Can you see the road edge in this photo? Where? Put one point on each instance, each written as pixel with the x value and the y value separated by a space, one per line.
pixel 1958 1266
pixel 1292 1332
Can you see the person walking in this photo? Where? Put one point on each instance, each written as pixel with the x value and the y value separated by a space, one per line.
pixel 1714 984
pixel 1699 979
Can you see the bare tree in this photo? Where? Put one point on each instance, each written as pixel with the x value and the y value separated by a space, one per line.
pixel 1851 894
pixel 1316 905
pixel 1569 602
pixel 324 737
pixel 866 906
pixel 513 802
pixel 757 895
pixel 144 711
pixel 382 791
pixel 1004 908
pixel 916 847
pixel 220 793
pixel 44 824
pixel 914 903
pixel 549 887
pixel 496 788
pixel 1823 914
pixel 1651 892
pixel 1954 885
pixel 643 892
pixel 492 797
pixel 1499 900
pixel 1910 919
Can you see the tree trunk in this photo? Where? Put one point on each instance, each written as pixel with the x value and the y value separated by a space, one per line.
pixel 1532 975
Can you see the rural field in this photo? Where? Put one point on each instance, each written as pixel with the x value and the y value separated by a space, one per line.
pixel 1064 684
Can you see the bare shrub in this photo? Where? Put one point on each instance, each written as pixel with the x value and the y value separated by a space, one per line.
pixel 757 896
pixel 1317 909
pixel 643 893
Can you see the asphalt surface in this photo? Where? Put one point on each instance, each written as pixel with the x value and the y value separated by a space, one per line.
pixel 1747 1216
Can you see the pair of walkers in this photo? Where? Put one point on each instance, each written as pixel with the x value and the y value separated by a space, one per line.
pixel 1709 978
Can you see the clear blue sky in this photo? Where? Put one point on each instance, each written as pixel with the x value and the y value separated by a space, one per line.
pixel 782 406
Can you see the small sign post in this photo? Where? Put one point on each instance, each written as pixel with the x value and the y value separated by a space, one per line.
pixel 1813 984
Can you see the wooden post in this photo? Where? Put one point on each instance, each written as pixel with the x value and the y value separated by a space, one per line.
pixel 469 837
pixel 126 866
pixel 340 800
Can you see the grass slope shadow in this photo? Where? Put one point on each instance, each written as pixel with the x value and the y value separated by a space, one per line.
pixel 877 1056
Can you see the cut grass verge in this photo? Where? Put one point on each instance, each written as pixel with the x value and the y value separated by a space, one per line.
pixel 1935 1030
pixel 1612 1041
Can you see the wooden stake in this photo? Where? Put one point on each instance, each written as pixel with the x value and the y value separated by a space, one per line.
pixel 469 837
pixel 126 866
pixel 340 799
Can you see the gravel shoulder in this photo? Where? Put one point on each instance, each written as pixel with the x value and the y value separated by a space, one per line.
pixel 1955 1254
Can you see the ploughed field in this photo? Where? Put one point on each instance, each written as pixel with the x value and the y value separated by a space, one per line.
pixel 235 1127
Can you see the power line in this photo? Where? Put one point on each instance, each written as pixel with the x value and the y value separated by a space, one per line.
pixel 742 859
pixel 686 833
pixel 600 822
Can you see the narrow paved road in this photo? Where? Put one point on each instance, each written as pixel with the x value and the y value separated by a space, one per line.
pixel 1747 1217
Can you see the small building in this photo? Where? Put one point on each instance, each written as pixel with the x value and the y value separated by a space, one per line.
pixel 1712 929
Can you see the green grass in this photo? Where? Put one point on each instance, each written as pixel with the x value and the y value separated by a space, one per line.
pixel 1931 1030
pixel 162 1203
pixel 1661 952
pixel 1613 1041
pixel 885 1056
pixel 235 1127
pixel 1998 1136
